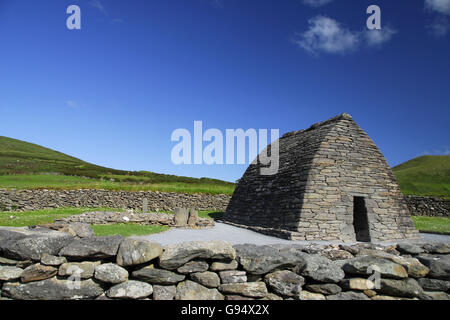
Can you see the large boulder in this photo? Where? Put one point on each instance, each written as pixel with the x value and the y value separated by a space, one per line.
pixel 157 276
pixel 52 289
pixel 321 269
pixel 30 244
pixel 260 260
pixel 130 290
pixel 189 290
pixel 285 283
pixel 439 266
pixel 111 273
pixel 133 252
pixel 367 265
pixel 93 248
pixel 176 255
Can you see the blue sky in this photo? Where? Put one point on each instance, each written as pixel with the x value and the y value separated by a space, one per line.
pixel 113 92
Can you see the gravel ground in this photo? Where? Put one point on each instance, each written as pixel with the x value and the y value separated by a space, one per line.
pixel 237 235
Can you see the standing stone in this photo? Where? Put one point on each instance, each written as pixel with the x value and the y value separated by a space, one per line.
pixel 193 218
pixel 111 273
pixel 130 290
pixel 134 252
pixel 145 205
pixel 38 272
pixel 181 216
pixel 164 292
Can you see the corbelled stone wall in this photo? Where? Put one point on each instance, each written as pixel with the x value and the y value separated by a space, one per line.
pixel 311 197
pixel 428 206
pixel 41 264
pixel 24 200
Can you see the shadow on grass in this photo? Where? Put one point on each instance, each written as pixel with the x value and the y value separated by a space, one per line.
pixel 215 215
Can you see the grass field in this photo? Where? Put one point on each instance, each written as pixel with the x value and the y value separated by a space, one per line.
pixel 425 176
pixel 432 224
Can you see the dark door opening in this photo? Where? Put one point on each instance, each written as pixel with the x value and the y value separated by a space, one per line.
pixel 360 219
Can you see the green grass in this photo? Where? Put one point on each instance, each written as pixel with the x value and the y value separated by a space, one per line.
pixel 127 229
pixel 25 165
pixel 425 176
pixel 432 224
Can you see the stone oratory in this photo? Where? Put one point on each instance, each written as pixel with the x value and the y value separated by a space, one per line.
pixel 333 183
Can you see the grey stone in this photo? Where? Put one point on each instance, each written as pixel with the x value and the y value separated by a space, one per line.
pixel 437 295
pixel 439 266
pixel 84 270
pixel 324 288
pixel 208 279
pixel 364 264
pixel 189 290
pixel 321 269
pixel 9 273
pixel 285 283
pixel 434 284
pixel 193 266
pixel 306 295
pixel 408 288
pixel 130 289
pixel 37 272
pixel 233 276
pixel 81 230
pixel 437 248
pixel 348 295
pixel 111 273
pixel 52 289
pixel 174 256
pixel 92 248
pixel 223 266
pixel 181 216
pixel 164 292
pixel 357 284
pixel 7 262
pixel 157 276
pixel 133 252
pixel 409 249
pixel 51 260
pixel 249 289
pixel 26 244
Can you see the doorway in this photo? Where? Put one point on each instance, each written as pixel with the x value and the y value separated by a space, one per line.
pixel 360 219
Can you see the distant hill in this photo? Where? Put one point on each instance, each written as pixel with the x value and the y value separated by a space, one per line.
pixel 20 158
pixel 425 176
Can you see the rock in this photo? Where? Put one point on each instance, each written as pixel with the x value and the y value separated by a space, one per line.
pixel 181 216
pixel 337 255
pixel 272 296
pixel 53 289
pixel 260 260
pixel 408 288
pixel 24 264
pixel 348 295
pixel 434 284
pixel 174 256
pixel 38 272
pixel 439 266
pixel 324 288
pixel 189 290
pixel 193 266
pixel 370 293
pixel 7 262
pixel 381 297
pixel 50 260
pixel 414 268
pixel 82 230
pixel 306 295
pixel 132 252
pixel 84 270
pixel 233 276
pixel 358 284
pixel 363 264
pixel 285 283
pixel 193 218
pixel 26 244
pixel 321 269
pixel 437 248
pixel 409 249
pixel 9 273
pixel 208 279
pixel 223 266
pixel 130 289
pixel 157 276
pixel 437 295
pixel 237 298
pixel 248 289
pixel 164 292
pixel 92 248
pixel 111 273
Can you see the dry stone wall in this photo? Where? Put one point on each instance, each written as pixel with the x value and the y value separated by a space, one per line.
pixel 24 200
pixel 428 206
pixel 42 264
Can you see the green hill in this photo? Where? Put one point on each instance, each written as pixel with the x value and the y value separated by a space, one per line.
pixel 425 176
pixel 26 165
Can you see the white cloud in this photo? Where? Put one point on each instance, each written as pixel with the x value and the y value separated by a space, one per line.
pixel 441 6
pixel 327 35
pixel 316 3
pixel 438 152
pixel 439 27
pixel 376 38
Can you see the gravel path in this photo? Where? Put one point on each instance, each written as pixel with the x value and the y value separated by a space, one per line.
pixel 237 235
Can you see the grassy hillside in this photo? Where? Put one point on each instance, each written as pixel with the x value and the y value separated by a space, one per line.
pixel 425 176
pixel 26 165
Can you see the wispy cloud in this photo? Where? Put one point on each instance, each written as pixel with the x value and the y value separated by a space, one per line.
pixel 326 35
pixel 97 4
pixel 440 6
pixel 316 3
pixel 440 25
pixel 445 151
pixel 72 104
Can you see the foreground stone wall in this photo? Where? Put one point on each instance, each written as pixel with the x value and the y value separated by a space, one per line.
pixel 428 206
pixel 24 200
pixel 48 265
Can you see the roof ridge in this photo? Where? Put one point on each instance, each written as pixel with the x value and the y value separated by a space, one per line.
pixel 342 116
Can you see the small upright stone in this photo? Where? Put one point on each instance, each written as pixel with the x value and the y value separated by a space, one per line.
pixel 145 205
pixel 181 216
